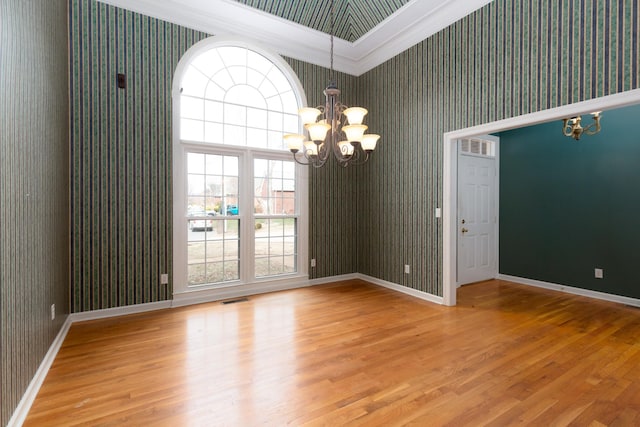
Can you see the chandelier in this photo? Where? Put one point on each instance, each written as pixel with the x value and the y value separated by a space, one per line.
pixel 572 127
pixel 328 134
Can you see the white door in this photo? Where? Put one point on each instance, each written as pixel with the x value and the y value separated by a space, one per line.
pixel 477 220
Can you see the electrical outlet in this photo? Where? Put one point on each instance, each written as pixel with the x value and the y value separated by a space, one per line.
pixel 599 273
pixel 164 279
pixel 407 269
pixel 438 213
pixel 313 262
pixel 53 311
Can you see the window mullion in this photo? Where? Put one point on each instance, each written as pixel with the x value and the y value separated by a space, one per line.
pixel 247 243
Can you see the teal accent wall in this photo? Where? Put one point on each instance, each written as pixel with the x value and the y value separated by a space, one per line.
pixel 567 207
pixel 34 188
pixel 507 59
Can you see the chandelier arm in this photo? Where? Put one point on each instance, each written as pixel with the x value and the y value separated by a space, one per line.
pixel 318 163
pixel 362 156
pixel 567 129
pixel 589 130
pixel 298 161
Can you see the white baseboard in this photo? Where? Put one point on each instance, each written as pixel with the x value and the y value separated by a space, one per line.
pixel 29 396
pixel 405 290
pixel 119 311
pixel 236 291
pixel 331 279
pixel 572 290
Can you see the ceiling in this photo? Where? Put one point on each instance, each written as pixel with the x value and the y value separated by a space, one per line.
pixel 353 18
pixel 368 32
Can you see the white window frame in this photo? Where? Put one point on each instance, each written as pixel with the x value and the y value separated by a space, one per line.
pixel 247 283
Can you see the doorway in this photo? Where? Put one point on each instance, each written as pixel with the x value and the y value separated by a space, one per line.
pixel 450 177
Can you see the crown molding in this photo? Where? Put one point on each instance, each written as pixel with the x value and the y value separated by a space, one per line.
pixel 414 22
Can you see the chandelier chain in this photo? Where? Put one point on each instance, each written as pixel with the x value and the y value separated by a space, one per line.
pixel 331 34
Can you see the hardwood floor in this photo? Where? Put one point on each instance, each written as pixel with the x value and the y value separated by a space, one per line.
pixel 354 353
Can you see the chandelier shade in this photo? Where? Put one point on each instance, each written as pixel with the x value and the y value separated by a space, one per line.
pixel 354 133
pixel 369 142
pixel 355 115
pixel 308 115
pixel 317 131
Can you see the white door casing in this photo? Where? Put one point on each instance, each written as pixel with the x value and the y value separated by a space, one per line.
pixel 449 169
pixel 477 213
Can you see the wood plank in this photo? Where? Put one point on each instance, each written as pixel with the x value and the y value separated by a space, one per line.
pixel 352 353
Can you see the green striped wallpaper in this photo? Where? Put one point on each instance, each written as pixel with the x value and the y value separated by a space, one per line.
pixel 120 154
pixel 121 142
pixel 509 58
pixel 332 202
pixel 34 189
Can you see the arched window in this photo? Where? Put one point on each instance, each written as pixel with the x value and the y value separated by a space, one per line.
pixel 239 198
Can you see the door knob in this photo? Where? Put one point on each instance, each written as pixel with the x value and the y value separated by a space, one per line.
pixel 464 230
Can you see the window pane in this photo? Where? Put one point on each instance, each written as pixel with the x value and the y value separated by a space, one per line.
pixel 213 111
pixel 275 140
pixel 215 92
pixel 213 132
pixel 275 121
pixel 279 80
pixel 235 135
pixel 238 74
pixel 257 137
pixel 273 194
pixel 195 163
pixel 191 130
pixel 257 118
pixel 289 101
pixel 213 163
pixel 234 55
pixel 245 95
pixel 194 82
pixel 275 246
pixel 231 165
pixel 191 108
pixel 208 62
pixel 254 77
pixel 291 124
pixel 258 62
pixel 274 103
pixel 267 89
pixel 235 114
pixel 212 252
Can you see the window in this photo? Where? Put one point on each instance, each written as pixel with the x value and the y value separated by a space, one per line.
pixel 239 208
